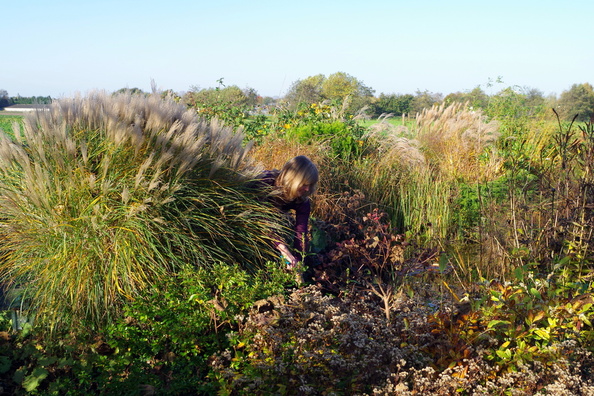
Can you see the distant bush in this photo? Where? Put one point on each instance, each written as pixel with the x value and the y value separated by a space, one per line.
pixel 340 137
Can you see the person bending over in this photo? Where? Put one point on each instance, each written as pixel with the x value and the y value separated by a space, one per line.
pixel 291 188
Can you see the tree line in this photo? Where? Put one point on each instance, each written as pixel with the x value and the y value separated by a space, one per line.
pixel 6 100
pixel 353 96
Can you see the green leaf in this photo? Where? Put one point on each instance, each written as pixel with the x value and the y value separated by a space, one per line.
pixel 539 315
pixel 47 361
pixel 535 293
pixel 519 273
pixel 543 334
pixel 33 380
pixel 506 354
pixel 443 262
pixel 5 364
pixel 19 375
pixel 496 322
pixel 565 260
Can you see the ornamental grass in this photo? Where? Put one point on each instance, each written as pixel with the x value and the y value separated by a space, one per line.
pixel 103 195
pixel 455 139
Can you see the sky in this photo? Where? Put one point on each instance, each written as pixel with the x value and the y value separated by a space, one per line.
pixel 62 48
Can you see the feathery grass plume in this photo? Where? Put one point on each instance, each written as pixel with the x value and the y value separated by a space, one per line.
pixel 394 143
pixel 390 156
pixel 397 174
pixel 454 137
pixel 102 195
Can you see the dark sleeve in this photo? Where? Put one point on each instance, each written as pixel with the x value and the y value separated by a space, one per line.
pixel 302 212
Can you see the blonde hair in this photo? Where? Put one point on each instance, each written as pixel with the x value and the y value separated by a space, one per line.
pixel 297 172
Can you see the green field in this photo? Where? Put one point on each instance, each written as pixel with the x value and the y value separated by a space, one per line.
pixel 6 122
pixel 396 121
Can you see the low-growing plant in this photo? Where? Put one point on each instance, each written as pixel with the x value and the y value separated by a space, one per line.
pixel 519 323
pixel 162 343
pixel 314 344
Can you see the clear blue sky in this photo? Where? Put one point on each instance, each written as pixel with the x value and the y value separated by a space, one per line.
pixel 63 47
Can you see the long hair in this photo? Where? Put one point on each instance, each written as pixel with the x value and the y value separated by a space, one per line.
pixel 295 173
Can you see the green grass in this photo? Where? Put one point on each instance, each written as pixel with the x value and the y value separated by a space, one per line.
pixel 396 121
pixel 105 195
pixel 6 122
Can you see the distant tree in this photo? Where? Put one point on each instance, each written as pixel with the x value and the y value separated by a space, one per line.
pixel 231 96
pixel 516 102
pixel 308 90
pixel 30 100
pixel 509 103
pixel 230 104
pixel 341 86
pixel 268 100
pixel 424 99
pixel 43 100
pixel 476 98
pixel 515 107
pixel 131 90
pixel 395 104
pixel 454 97
pixel 4 100
pixel 534 97
pixel 170 93
pixel 579 99
pixel 337 88
pixel 252 97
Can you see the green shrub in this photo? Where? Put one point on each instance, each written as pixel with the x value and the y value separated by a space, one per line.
pixel 104 195
pixel 162 342
pixel 345 141
pixel 320 124
pixel 472 202
pixel 525 321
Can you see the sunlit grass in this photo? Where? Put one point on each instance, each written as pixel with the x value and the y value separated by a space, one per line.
pixel 103 195
pixel 454 138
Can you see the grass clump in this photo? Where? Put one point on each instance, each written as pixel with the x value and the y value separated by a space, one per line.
pixel 454 139
pixel 103 195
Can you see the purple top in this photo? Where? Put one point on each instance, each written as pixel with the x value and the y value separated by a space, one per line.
pixel 302 210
